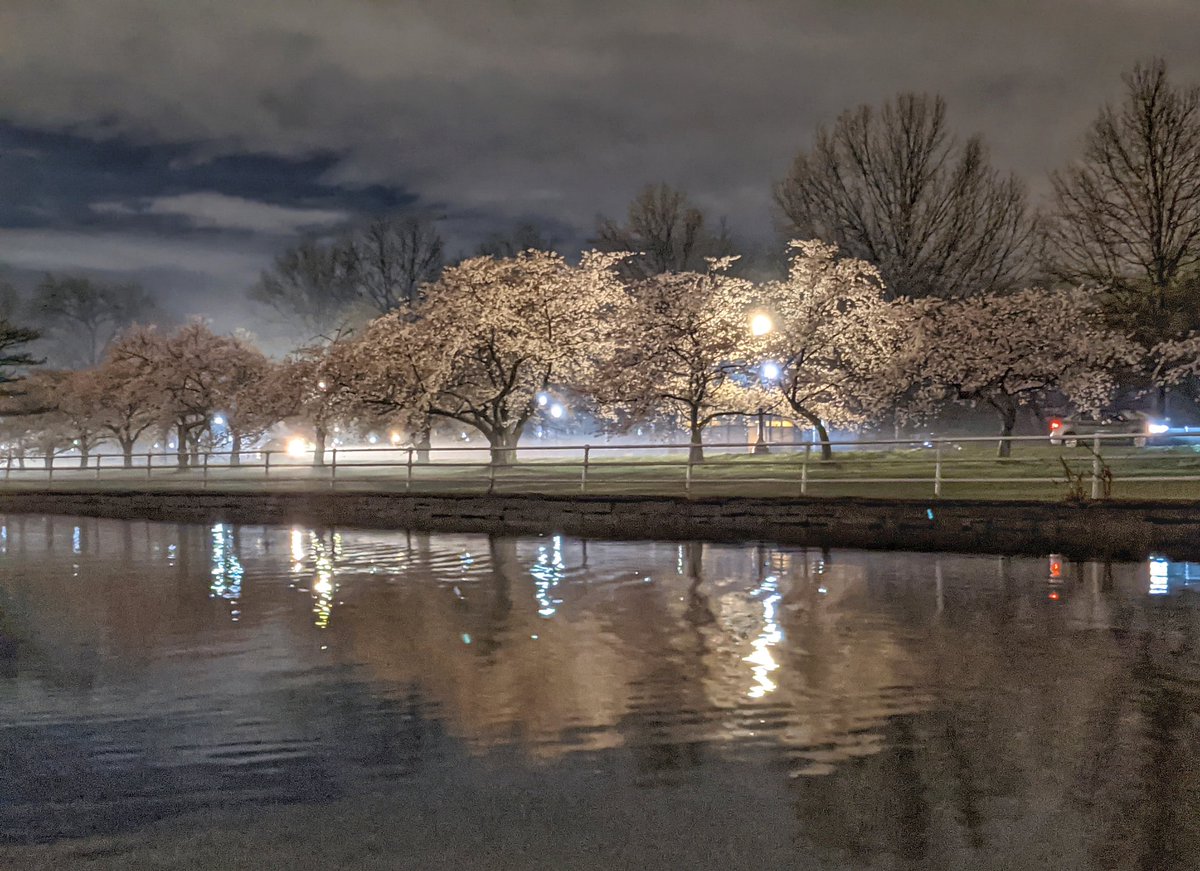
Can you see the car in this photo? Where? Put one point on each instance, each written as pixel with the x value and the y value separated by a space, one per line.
pixel 1138 425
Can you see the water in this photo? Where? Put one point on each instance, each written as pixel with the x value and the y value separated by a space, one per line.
pixel 176 696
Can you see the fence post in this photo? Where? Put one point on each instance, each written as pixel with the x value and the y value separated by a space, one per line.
pixel 804 470
pixel 97 467
pixel 204 472
pixel 587 450
pixel 333 468
pixel 408 471
pixel 687 477
pixel 149 463
pixel 50 467
pixel 491 477
pixel 1096 466
pixel 937 469
pixel 266 464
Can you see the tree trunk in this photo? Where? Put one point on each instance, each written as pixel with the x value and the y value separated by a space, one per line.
pixel 84 455
pixel 816 423
pixel 1007 410
pixel 422 441
pixel 127 451
pixel 504 446
pixel 319 436
pixel 695 441
pixel 235 449
pixel 181 447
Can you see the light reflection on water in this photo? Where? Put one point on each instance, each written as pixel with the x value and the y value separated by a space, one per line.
pixel 872 709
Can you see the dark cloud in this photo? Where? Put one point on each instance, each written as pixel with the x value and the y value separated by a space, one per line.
pixel 490 111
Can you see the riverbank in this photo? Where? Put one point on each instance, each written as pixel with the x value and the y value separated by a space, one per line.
pixel 1118 530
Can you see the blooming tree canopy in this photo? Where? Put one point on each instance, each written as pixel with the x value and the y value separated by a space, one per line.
pixel 836 340
pixel 489 336
pixel 193 372
pixel 681 342
pixel 314 384
pixel 1010 350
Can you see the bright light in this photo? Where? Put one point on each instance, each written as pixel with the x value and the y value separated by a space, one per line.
pixel 557 410
pixel 323 384
pixel 770 370
pixel 542 400
pixel 218 420
pixel 761 324
pixel 394 438
pixel 1158 428
pixel 297 447
pixel 373 439
pixel 1056 424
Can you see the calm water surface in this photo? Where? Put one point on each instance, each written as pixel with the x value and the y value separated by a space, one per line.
pixel 176 696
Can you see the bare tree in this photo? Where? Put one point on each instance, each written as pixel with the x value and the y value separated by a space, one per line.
pixel 1127 213
pixel 523 237
pixel 391 258
pixel 84 316
pixel 895 188
pixel 666 231
pixel 311 286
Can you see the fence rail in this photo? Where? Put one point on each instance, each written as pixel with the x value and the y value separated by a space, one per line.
pixel 1096 467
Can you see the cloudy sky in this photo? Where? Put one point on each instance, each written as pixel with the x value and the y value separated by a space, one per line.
pixel 183 141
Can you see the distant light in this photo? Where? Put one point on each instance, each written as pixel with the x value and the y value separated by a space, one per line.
pixel 770 370
pixel 373 439
pixel 1056 424
pixel 218 420
pixel 395 437
pixel 297 447
pixel 761 324
pixel 1158 428
pixel 324 385
pixel 557 410
pixel 542 400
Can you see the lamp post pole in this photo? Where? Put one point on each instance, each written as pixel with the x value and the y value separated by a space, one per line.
pixel 760 443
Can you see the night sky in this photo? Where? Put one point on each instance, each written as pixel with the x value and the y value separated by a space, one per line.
pixel 181 142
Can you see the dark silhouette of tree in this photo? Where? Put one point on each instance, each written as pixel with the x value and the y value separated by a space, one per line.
pixel 391 258
pixel 1127 213
pixel 523 237
pixel 893 187
pixel 13 357
pixel 667 232
pixel 311 286
pixel 82 316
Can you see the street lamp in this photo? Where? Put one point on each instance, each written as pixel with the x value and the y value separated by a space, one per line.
pixel 761 324
pixel 767 372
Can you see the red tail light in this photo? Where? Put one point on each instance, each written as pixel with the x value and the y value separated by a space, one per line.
pixel 1056 424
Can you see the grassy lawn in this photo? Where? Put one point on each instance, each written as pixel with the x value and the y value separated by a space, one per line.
pixel 968 471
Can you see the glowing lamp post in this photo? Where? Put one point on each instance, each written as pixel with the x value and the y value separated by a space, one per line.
pixel 760 325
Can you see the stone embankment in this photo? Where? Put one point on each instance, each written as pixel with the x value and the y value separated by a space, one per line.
pixel 1114 529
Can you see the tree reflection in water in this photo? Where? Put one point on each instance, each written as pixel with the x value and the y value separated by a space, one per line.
pixel 902 710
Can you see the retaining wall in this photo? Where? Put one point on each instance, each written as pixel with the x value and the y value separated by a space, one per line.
pixel 1116 530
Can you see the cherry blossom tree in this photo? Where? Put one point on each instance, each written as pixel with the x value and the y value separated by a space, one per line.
pixel 193 373
pixel 836 340
pixel 128 405
pixel 43 426
pixel 314 384
pixel 681 344
pixel 1011 350
pixel 489 336
pixel 249 404
pixel 1176 365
